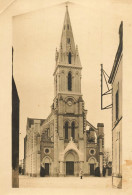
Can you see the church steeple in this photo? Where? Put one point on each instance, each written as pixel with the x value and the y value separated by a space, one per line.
pixel 67 74
pixel 68 53
pixel 67 40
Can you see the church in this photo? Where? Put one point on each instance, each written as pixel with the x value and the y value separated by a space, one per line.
pixel 65 142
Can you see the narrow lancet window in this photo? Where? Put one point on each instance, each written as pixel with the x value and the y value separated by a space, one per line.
pixel 69 81
pixel 69 57
pixel 66 130
pixel 73 130
pixel 68 40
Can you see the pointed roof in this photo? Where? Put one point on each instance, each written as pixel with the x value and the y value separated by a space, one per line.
pixel 67 41
pixel 67 54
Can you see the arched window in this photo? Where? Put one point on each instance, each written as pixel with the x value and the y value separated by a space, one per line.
pixel 69 81
pixel 69 58
pixel 66 130
pixel 68 40
pixel 73 130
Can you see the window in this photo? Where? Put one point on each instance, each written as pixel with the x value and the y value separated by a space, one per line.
pixel 46 150
pixel 68 26
pixel 66 130
pixel 73 130
pixel 117 104
pixel 69 81
pixel 68 40
pixel 92 151
pixel 69 57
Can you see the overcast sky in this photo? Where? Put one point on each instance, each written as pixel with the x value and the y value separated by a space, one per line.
pixel 35 37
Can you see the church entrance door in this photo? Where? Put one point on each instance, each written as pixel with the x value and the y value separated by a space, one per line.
pixel 91 169
pixel 46 168
pixel 70 168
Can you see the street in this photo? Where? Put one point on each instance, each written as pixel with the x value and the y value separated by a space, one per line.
pixel 64 182
pixel 72 185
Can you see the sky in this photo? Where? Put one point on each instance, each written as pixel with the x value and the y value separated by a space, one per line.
pixel 36 35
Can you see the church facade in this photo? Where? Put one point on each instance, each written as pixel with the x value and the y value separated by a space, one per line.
pixel 65 142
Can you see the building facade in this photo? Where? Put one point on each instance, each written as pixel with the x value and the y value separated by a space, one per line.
pixel 116 81
pixel 15 132
pixel 65 142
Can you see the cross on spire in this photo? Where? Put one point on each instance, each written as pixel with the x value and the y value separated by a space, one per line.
pixel 67 39
pixel 67 4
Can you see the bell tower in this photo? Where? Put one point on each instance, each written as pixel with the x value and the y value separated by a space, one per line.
pixel 68 105
pixel 67 74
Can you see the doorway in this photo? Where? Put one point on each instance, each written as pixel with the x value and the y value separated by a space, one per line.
pixel 70 168
pixel 46 168
pixel 91 169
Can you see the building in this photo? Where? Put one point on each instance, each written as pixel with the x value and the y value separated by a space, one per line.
pixel 15 134
pixel 32 147
pixel 25 142
pixel 116 80
pixel 21 167
pixel 65 142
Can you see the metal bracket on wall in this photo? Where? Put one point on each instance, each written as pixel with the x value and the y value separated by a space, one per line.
pixel 105 77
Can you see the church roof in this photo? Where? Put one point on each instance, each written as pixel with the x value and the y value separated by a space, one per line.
pixel 91 126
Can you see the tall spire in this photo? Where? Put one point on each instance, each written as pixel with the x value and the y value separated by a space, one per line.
pixel 67 40
pixel 68 53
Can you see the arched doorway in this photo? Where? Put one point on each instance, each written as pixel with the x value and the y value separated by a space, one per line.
pixel 71 161
pixel 92 165
pixel 46 166
pixel 70 164
pixel 47 163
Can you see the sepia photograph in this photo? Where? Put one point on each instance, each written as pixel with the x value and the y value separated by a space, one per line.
pixel 67 104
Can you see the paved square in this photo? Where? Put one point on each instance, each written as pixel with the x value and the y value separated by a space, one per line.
pixel 72 185
pixel 65 182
